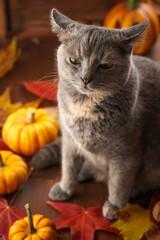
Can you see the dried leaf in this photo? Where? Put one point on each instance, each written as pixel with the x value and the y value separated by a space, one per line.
pixel 44 89
pixel 6 107
pixel 133 221
pixel 8 57
pixel 152 234
pixel 35 104
pixel 82 223
pixel 8 215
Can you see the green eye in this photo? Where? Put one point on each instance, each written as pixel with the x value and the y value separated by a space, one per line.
pixel 74 61
pixel 105 66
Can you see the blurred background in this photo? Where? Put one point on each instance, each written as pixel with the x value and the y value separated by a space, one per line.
pixel 18 15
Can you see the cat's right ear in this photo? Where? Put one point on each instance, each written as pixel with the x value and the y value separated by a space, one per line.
pixel 63 26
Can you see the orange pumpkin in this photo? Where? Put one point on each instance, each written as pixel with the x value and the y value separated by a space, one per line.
pixel 37 228
pixel 13 172
pixel 29 129
pixel 125 15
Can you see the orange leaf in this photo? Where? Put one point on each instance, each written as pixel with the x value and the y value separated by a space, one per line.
pixel 44 89
pixel 8 57
pixel 133 221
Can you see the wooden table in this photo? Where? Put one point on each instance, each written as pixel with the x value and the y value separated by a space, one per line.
pixel 38 48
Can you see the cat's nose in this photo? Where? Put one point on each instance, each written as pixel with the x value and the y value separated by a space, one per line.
pixel 86 80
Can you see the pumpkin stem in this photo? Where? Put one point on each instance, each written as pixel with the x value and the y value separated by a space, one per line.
pixel 30 116
pixel 1 162
pixel 32 230
pixel 132 4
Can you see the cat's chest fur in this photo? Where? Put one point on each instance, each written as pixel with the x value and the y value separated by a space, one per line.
pixel 86 121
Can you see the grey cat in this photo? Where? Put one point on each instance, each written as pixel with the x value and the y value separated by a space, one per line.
pixel 109 104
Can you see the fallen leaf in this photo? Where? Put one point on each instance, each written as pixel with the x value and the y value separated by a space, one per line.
pixel 8 215
pixel 36 103
pixel 8 57
pixel 133 221
pixel 44 89
pixel 7 107
pixel 152 234
pixel 82 223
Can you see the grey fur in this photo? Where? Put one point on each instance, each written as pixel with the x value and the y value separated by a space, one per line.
pixel 110 126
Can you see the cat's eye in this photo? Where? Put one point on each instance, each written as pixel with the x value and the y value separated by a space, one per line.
pixel 74 61
pixel 105 66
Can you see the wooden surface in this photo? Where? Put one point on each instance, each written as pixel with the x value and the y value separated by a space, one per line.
pixel 3 19
pixel 31 14
pixel 37 60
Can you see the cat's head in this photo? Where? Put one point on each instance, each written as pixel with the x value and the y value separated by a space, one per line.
pixel 91 58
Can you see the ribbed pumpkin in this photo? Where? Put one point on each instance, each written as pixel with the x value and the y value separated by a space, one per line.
pixel 13 172
pixel 127 14
pixel 29 129
pixel 36 227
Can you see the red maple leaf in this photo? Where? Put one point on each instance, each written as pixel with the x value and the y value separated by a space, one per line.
pixel 44 89
pixel 8 215
pixel 82 223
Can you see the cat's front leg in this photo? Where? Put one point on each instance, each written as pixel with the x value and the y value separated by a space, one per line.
pixel 71 165
pixel 121 177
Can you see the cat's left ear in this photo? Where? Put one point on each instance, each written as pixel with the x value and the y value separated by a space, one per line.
pixel 63 26
pixel 131 34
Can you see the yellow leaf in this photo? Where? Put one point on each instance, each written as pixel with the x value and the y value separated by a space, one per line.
pixel 133 221
pixel 36 103
pixel 8 57
pixel 7 107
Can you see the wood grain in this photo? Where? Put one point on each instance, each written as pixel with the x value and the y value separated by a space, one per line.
pixel 32 14
pixel 3 19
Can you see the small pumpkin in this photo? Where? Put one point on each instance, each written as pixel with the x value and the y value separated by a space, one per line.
pixel 29 129
pixel 13 172
pixel 36 227
pixel 131 12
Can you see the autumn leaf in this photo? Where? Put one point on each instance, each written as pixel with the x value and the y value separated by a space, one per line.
pixel 133 221
pixel 7 107
pixel 8 215
pixel 35 104
pixel 82 223
pixel 8 57
pixel 44 89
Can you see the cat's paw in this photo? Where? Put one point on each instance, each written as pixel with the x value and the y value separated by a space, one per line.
pixel 108 211
pixel 57 194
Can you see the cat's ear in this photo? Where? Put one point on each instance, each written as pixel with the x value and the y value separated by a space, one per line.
pixel 131 34
pixel 63 26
